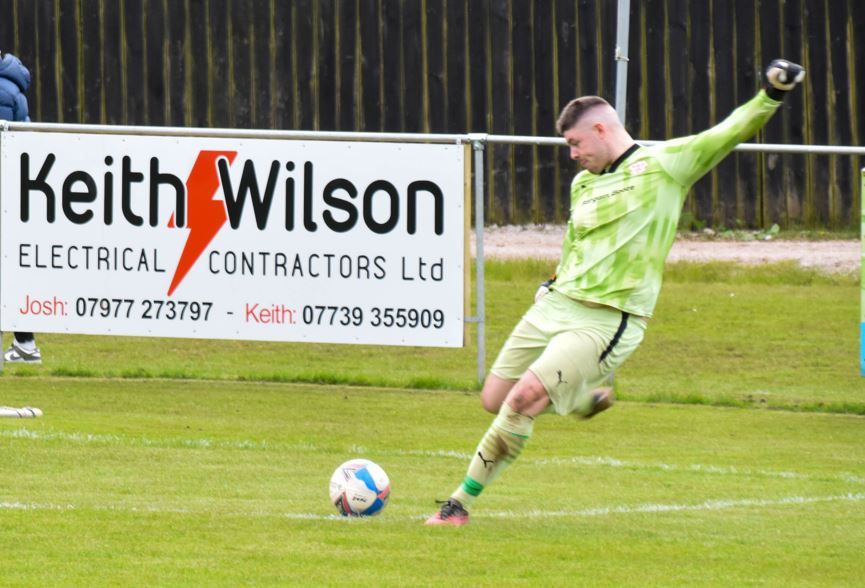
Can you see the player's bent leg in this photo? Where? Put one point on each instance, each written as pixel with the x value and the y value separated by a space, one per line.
pixel 494 392
pixel 524 345
pixel 528 396
pixel 499 447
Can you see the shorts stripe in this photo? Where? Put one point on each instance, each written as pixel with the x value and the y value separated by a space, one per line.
pixel 622 326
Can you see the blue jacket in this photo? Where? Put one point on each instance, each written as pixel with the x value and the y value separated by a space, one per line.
pixel 14 83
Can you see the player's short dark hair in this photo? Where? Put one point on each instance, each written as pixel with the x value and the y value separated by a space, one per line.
pixel 574 111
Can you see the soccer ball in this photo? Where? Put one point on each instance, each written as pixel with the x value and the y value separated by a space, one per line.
pixel 359 488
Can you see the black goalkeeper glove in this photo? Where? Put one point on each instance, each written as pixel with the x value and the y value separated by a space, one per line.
pixel 781 77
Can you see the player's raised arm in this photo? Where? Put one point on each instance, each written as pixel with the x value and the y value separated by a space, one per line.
pixel 689 158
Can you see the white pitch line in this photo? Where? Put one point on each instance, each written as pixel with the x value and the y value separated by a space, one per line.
pixel 263 445
pixel 697 468
pixel 661 508
pixel 653 508
pixel 106 439
pixel 34 506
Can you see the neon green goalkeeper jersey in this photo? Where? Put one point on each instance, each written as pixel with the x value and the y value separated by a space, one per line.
pixel 623 221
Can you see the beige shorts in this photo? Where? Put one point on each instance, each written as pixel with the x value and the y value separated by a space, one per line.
pixel 571 347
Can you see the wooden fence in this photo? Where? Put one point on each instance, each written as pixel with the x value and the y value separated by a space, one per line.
pixel 496 66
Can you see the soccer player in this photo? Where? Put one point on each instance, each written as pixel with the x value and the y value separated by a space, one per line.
pixel 586 322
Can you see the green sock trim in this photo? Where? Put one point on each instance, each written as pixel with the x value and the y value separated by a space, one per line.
pixel 472 487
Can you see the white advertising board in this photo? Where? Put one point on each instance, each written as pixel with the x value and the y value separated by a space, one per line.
pixel 258 239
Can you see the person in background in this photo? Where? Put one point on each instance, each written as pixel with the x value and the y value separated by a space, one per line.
pixel 14 83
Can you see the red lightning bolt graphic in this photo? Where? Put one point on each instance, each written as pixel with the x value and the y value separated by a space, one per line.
pixel 205 215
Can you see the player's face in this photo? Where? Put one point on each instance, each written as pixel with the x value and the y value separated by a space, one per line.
pixel 587 146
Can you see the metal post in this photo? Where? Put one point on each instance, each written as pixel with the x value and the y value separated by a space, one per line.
pixel 862 274
pixel 623 14
pixel 478 144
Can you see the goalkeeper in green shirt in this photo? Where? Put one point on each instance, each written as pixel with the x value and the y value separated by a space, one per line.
pixel 586 322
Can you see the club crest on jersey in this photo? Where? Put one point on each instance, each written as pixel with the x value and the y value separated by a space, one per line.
pixel 638 167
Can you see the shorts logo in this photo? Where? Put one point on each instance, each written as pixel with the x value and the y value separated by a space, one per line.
pixel 561 380
pixel 638 167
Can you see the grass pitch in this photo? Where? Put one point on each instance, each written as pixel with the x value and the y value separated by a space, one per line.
pixel 193 463
pixel 225 484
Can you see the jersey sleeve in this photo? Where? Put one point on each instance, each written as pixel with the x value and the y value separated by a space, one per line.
pixel 689 158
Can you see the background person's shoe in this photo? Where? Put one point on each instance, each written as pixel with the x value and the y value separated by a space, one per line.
pixel 28 412
pixel 17 354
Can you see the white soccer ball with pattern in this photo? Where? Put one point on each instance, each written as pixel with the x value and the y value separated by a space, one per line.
pixel 359 488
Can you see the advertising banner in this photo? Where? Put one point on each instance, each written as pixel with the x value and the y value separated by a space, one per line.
pixel 256 239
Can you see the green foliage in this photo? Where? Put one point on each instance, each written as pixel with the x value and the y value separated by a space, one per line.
pixel 781 274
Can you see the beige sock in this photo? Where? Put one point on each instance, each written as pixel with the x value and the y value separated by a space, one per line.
pixel 502 444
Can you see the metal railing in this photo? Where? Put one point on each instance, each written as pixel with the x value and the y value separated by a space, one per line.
pixel 478 141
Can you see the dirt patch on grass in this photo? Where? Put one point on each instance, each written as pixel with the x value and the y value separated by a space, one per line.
pixel 545 242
